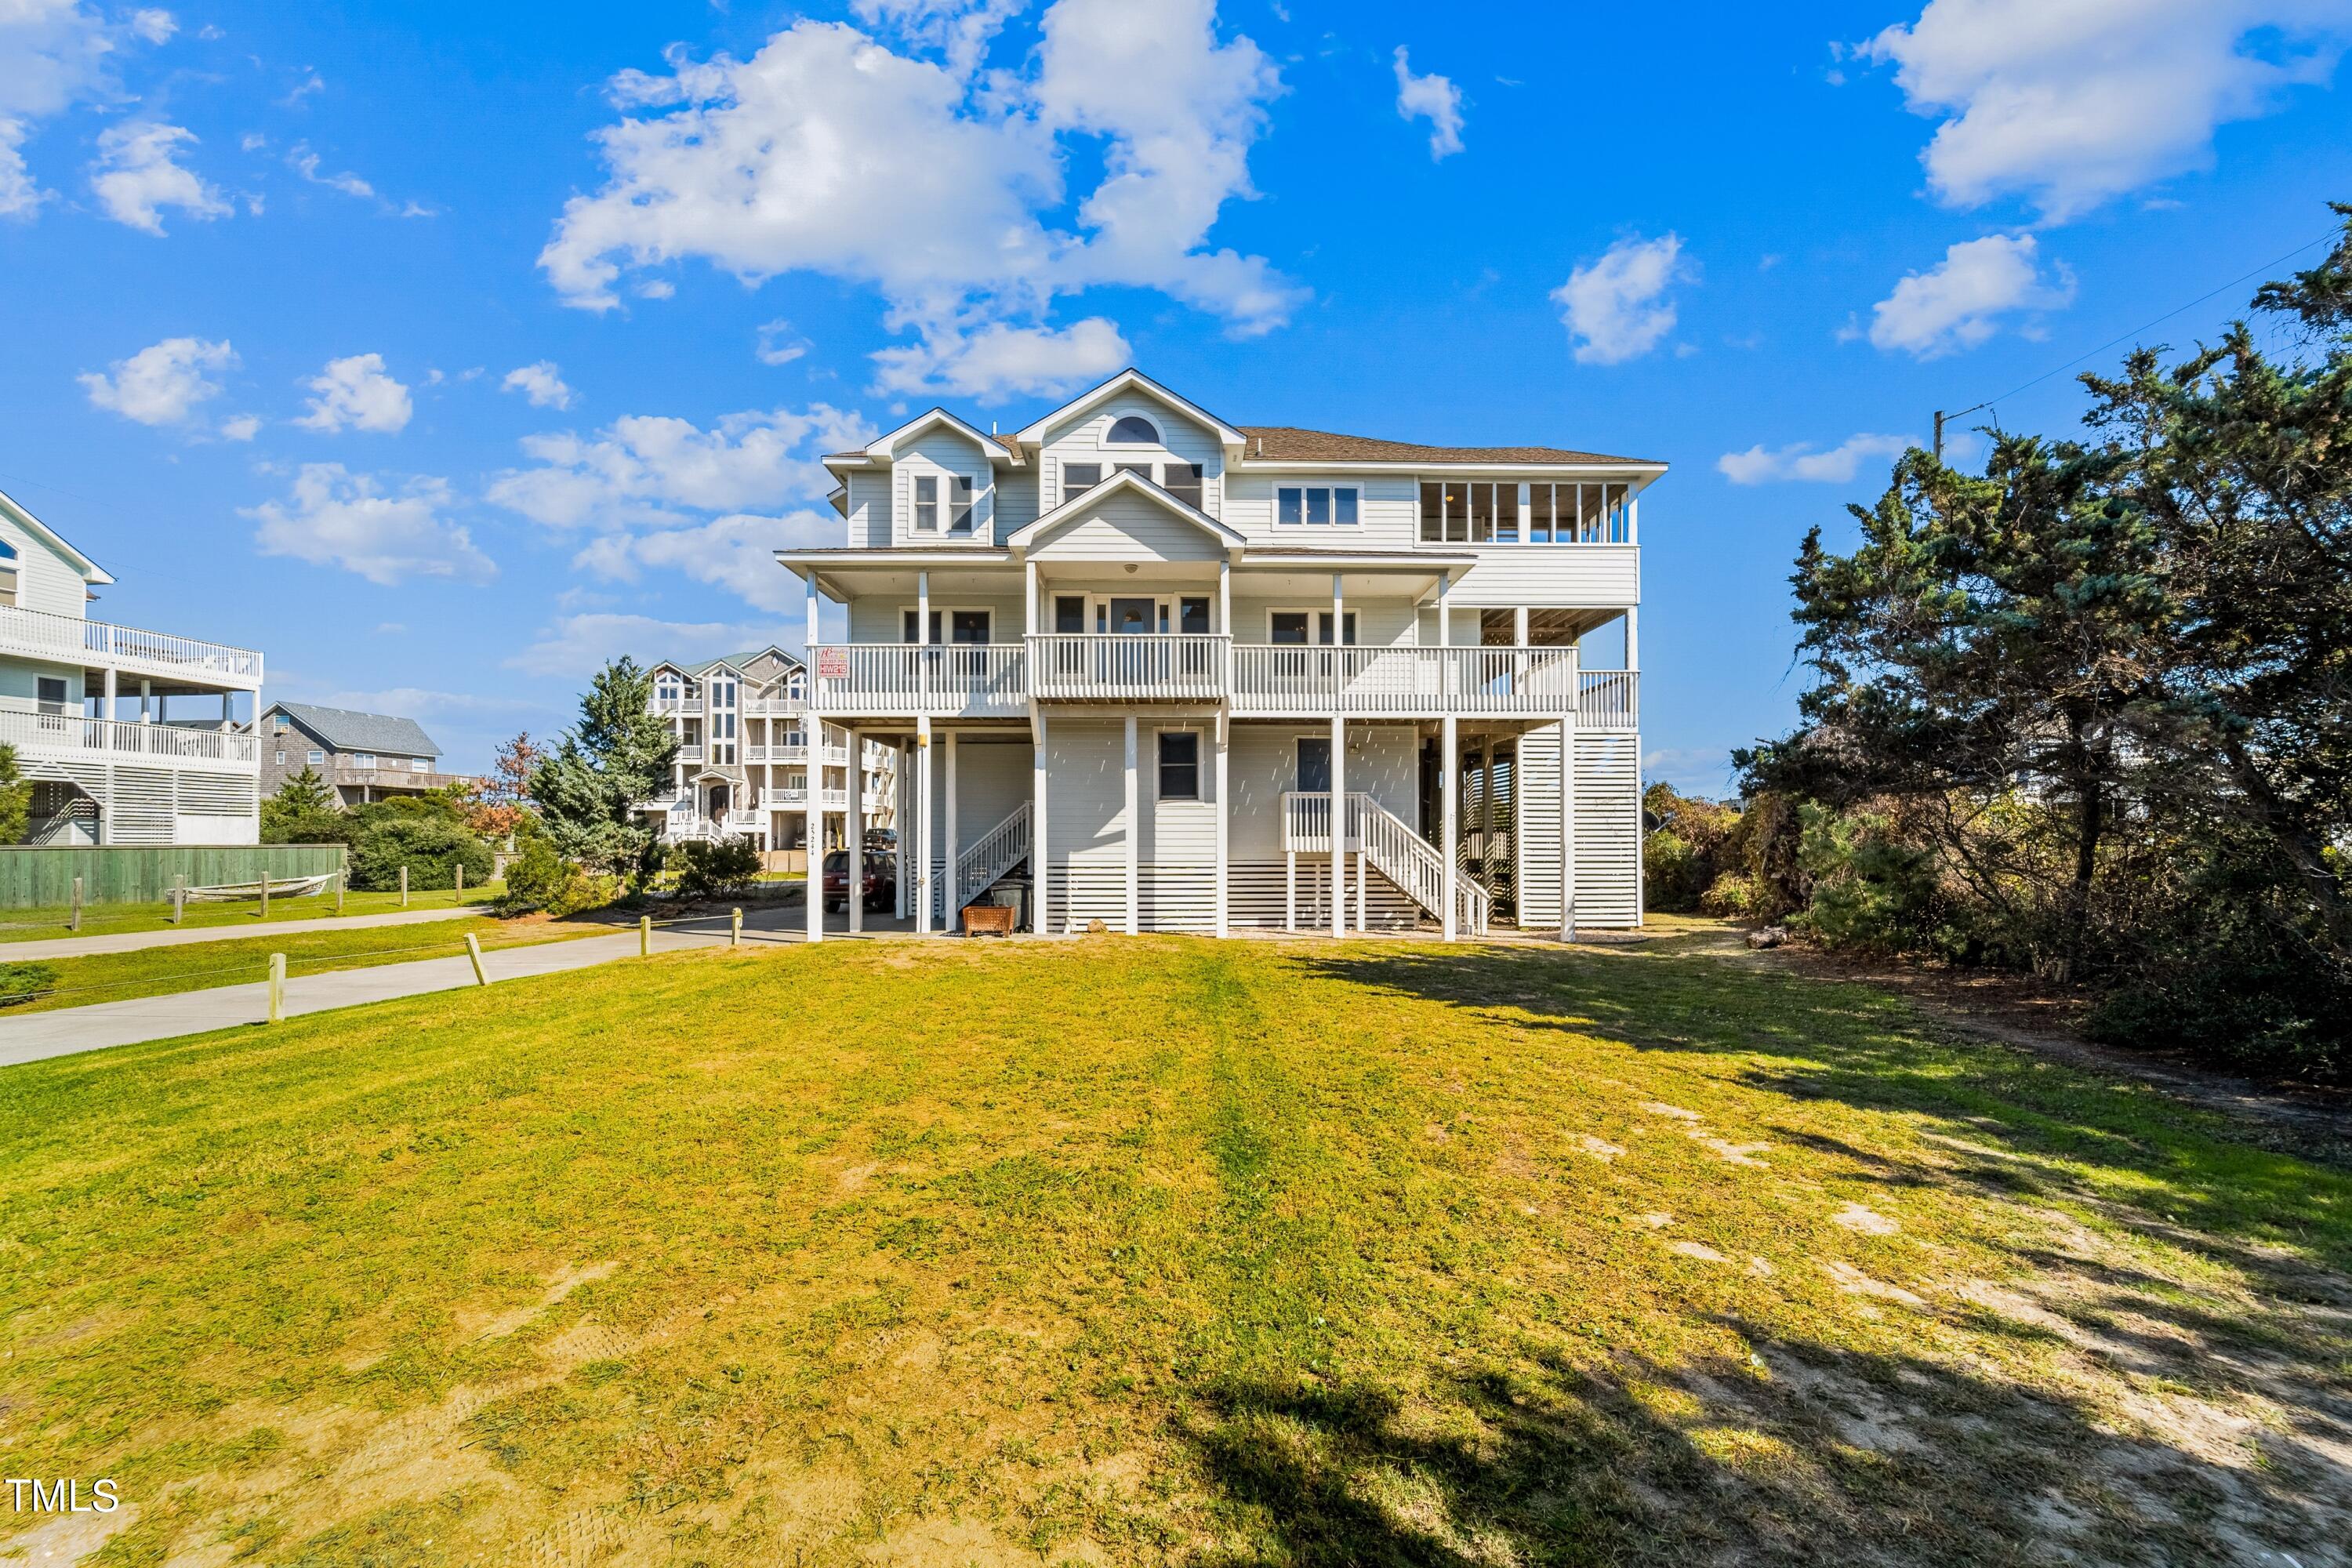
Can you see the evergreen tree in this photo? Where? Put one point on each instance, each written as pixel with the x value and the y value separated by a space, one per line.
pixel 302 811
pixel 16 798
pixel 588 789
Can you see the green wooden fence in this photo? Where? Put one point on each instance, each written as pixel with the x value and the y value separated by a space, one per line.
pixel 40 877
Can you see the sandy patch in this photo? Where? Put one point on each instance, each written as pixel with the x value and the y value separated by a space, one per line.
pixel 1870 1222
pixel 1696 1249
pixel 1855 1282
pixel 1600 1149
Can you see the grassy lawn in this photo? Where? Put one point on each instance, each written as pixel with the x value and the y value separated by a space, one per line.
pixel 98 920
pixel 1156 1249
pixel 160 971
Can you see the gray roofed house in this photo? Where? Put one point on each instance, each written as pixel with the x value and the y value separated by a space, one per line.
pixel 362 757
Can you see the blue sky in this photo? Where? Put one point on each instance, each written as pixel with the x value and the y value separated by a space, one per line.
pixel 441 350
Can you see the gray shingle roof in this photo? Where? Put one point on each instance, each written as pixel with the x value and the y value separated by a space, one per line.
pixel 1282 443
pixel 347 732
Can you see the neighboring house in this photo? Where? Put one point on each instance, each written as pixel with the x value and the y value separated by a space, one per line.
pixel 128 736
pixel 362 757
pixel 742 756
pixel 1140 650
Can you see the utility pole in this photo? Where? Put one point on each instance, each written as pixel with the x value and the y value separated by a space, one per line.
pixel 1939 434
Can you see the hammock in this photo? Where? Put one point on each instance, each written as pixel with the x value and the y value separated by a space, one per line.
pixel 291 888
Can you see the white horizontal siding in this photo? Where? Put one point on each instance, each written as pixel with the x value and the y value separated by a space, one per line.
pixel 1261 896
pixel 1080 440
pixel 1387 622
pixel 1388 507
pixel 869 509
pixel 1564 576
pixel 1384 761
pixel 1608 830
pixel 878 617
pixel 942 453
pixel 1129 528
pixel 1016 501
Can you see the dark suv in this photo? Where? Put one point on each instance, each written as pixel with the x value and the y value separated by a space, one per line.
pixel 880 888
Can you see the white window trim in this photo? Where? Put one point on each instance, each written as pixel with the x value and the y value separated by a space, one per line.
pixel 1334 486
pixel 947 613
pixel 1312 612
pixel 1158 441
pixel 1578 519
pixel 1199 795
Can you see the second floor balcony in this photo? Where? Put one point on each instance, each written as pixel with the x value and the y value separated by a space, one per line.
pixel 70 639
pixel 999 680
pixel 72 736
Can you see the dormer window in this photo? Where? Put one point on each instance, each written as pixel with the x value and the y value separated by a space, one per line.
pixel 927 503
pixel 1132 430
pixel 962 496
pixel 8 572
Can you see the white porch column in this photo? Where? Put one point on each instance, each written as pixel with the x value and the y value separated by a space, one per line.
pixel 1029 576
pixel 107 711
pixel 1134 824
pixel 1632 637
pixel 923 607
pixel 856 835
pixel 922 824
pixel 1338 610
pixel 813 776
pixel 1338 810
pixel 146 698
pixel 1568 828
pixel 1449 766
pixel 1444 610
pixel 1225 819
pixel 902 779
pixel 1040 921
pixel 1520 627
pixel 952 903
pixel 1225 596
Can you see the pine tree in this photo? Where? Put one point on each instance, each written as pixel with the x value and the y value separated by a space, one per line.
pixel 589 789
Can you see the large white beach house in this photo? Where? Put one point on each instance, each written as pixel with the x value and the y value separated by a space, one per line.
pixel 1134 654
pixel 128 736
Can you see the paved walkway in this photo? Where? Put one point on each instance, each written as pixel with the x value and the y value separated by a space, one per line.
pixel 68 1031
pixel 134 940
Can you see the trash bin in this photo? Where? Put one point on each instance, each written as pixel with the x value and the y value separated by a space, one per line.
pixel 1013 890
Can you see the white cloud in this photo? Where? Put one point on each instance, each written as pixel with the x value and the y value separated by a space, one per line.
pixel 540 383
pixel 305 163
pixel 775 346
pixel 137 176
pixel 737 553
pixel 1432 98
pixel 2068 104
pixel 355 391
pixel 242 427
pixel 1958 302
pixel 828 152
pixel 153 25
pixel 1837 466
pixel 576 645
pixel 162 384
pixel 20 197
pixel 335 518
pixel 959 28
pixel 52 54
pixel 652 469
pixel 1000 361
pixel 1618 306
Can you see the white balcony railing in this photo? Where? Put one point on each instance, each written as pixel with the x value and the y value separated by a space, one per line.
pixel 1609 699
pixel 946 680
pixel 796 754
pixel 1106 667
pixel 794 797
pixel 690 753
pixel 47 735
pixel 1403 682
pixel 73 640
pixel 997 679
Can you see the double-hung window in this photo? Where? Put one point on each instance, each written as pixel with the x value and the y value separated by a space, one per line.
pixel 1323 628
pixel 8 572
pixel 1180 764
pixel 52 693
pixel 1317 505
pixel 1182 480
pixel 927 503
pixel 314 757
pixel 363 760
pixel 1079 477
pixel 963 497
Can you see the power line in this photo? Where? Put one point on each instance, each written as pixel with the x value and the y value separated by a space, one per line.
pixel 1941 417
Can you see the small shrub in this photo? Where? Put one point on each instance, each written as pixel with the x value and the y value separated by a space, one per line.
pixel 431 847
pixel 716 868
pixel 21 983
pixel 536 876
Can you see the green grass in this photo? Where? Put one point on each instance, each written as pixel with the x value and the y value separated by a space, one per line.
pixel 160 971
pixel 1158 1249
pixel 103 920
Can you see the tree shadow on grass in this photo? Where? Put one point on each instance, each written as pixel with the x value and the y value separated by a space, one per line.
pixel 1800 1454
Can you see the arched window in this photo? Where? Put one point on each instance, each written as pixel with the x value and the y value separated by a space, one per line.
pixel 1132 430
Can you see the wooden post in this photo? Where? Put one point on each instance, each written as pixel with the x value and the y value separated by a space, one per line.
pixel 735 926
pixel 474 952
pixel 461 881
pixel 277 987
pixel 73 918
pixel 340 877
pixel 265 892
pixel 404 887
pixel 179 900
pixel 645 936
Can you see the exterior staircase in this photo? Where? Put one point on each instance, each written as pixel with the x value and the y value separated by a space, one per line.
pixel 990 858
pixel 1392 847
